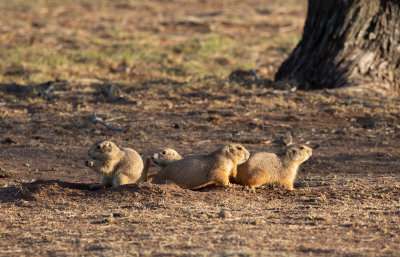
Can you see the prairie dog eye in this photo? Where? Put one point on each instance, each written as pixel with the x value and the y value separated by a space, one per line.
pixel 239 148
pixel 301 147
pixel 98 147
pixel 164 152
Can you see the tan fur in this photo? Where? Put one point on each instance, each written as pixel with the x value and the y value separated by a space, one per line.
pixel 197 171
pixel 269 168
pixel 116 166
pixel 147 164
pixel 161 157
pixel 164 156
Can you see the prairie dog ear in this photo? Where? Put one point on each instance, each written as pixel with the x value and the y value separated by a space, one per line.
pixel 230 148
pixel 226 149
pixel 292 152
pixel 108 146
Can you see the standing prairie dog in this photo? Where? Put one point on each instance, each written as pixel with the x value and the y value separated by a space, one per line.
pixel 269 168
pixel 197 171
pixel 116 166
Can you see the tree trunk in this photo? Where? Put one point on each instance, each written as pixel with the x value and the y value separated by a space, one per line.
pixel 346 43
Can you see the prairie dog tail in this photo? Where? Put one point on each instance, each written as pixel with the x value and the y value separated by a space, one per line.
pixel 204 185
pixel 146 168
pixel 145 174
pixel 151 175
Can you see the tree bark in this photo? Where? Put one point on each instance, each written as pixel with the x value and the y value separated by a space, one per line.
pixel 346 43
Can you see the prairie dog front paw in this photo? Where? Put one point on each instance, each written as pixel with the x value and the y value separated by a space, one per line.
pixel 89 163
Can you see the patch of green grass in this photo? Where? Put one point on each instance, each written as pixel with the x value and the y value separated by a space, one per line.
pixel 85 38
pixel 215 43
pixel 215 55
pixel 190 47
pixel 287 42
pixel 261 40
pixel 88 57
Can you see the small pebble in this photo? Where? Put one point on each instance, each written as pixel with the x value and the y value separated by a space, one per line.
pixel 111 219
pixel 225 214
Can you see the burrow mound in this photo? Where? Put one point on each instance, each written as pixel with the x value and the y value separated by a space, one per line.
pixel 56 190
pixel 45 190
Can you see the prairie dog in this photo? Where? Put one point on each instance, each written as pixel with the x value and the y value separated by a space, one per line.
pixel 269 168
pixel 161 157
pixel 164 156
pixel 116 166
pixel 197 171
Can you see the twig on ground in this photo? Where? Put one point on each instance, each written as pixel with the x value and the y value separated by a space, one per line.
pixel 98 121
pixel 86 81
pixel 115 118
pixel 46 93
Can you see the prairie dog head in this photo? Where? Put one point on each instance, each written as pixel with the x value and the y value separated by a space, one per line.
pixel 237 153
pixel 164 156
pixel 299 153
pixel 102 149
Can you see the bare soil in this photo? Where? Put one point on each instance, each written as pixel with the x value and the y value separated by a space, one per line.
pixel 346 200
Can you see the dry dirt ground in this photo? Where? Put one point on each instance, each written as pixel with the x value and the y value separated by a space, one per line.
pixel 346 200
